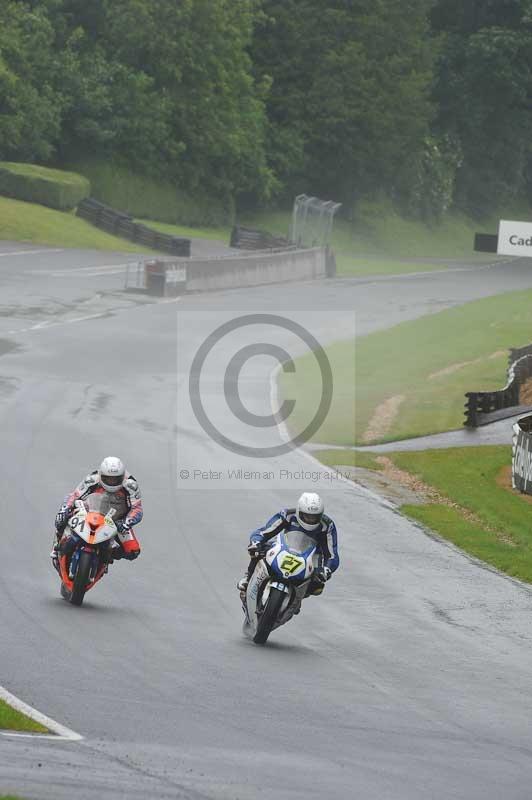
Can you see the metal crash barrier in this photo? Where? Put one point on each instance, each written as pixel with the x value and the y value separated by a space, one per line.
pixel 522 455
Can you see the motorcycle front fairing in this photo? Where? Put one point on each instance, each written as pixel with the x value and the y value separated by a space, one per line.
pixel 91 527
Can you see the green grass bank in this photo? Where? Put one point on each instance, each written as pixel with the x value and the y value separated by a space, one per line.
pixel 475 506
pixel 36 224
pixel 410 380
pixel 478 480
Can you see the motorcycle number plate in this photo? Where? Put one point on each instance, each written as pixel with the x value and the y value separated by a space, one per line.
pixel 291 564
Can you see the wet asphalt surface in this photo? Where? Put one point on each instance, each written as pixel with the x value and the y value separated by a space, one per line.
pixel 410 678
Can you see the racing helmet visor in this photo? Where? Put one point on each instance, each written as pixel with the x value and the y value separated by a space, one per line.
pixel 310 519
pixel 112 480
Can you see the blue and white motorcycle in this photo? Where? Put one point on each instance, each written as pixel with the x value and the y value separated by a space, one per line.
pixel 279 583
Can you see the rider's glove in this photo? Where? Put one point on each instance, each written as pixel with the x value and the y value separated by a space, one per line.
pixel 255 547
pixel 322 575
pixel 123 525
pixel 62 517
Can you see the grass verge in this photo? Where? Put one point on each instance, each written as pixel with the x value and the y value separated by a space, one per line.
pixel 472 504
pixel 478 480
pixel 36 224
pixel 410 380
pixel 11 720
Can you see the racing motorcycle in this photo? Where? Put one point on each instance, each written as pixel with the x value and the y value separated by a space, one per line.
pixel 93 530
pixel 279 583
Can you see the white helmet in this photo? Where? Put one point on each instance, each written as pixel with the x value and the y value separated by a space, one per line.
pixel 309 511
pixel 112 473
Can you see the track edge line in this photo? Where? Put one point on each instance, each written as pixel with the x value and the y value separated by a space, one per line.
pixel 62 733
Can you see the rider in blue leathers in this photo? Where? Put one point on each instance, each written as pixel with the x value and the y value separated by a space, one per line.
pixel 309 518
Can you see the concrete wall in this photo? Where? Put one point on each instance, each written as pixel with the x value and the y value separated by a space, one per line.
pixel 255 269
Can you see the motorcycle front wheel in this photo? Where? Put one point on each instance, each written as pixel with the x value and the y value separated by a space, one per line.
pixel 269 616
pixel 82 578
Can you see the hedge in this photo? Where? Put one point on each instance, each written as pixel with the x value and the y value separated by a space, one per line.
pixel 49 187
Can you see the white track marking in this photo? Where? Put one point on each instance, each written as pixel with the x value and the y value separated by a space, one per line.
pixel 96 270
pixel 80 272
pixel 45 324
pixel 31 252
pixel 61 733
pixel 89 272
pixel 99 274
pixel 70 270
pixel 39 326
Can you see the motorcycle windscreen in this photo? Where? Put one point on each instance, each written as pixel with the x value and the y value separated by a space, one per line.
pixel 98 502
pixel 299 542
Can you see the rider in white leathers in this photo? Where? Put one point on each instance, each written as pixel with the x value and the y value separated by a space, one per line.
pixel 122 493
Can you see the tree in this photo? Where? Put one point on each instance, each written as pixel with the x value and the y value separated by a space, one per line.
pixel 350 92
pixel 484 94
pixel 30 105
pixel 195 52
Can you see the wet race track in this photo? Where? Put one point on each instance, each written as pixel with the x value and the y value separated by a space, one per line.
pixel 410 678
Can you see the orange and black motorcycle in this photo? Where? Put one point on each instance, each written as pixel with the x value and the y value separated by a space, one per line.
pixel 92 531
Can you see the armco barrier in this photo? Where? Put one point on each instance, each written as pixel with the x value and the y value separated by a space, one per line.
pixel 170 277
pixel 485 407
pixel 522 455
pixel 121 224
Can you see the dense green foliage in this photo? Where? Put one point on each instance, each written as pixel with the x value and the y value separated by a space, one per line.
pixel 50 187
pixel 349 97
pixel 426 102
pixel 484 96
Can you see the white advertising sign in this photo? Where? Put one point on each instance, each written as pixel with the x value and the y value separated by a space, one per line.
pixel 515 238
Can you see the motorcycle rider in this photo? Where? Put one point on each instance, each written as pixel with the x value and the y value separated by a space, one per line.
pixel 308 517
pixel 122 492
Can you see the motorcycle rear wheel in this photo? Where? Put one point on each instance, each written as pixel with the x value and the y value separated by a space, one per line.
pixel 82 578
pixel 269 616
